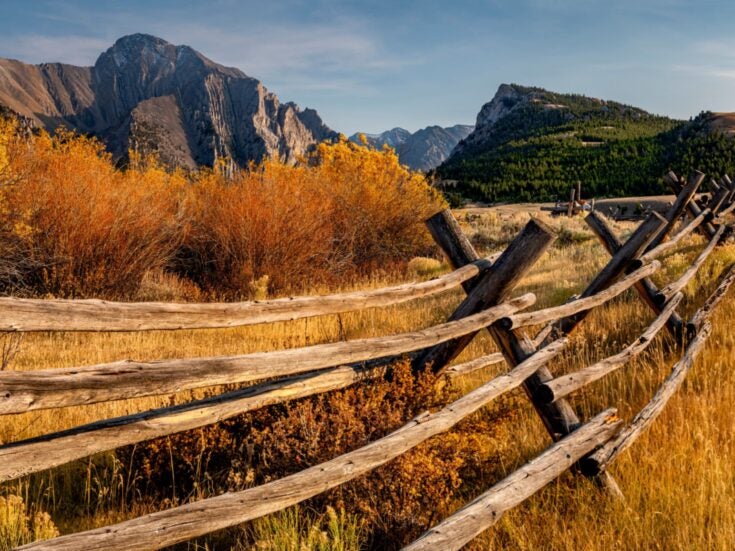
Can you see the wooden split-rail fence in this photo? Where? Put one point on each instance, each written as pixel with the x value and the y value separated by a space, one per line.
pixel 587 447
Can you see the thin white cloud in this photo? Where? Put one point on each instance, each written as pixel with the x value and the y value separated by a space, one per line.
pixel 719 47
pixel 34 48
pixel 316 56
pixel 709 71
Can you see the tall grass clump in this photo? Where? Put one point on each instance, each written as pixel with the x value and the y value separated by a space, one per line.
pixel 292 530
pixel 19 526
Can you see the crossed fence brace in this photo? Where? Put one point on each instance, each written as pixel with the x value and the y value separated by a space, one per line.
pixel 495 284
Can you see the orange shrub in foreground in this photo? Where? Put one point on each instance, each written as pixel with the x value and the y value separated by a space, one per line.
pixel 81 227
pixel 74 225
pixel 350 211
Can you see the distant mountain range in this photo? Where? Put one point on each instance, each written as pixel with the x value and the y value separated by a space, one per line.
pixel 146 94
pixel 532 144
pixel 423 150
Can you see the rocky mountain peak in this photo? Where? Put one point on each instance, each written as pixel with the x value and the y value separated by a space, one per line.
pixel 147 94
pixel 505 99
pixel 140 49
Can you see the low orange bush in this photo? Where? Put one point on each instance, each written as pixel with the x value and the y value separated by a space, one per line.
pixel 81 227
pixel 75 225
pixel 397 501
pixel 347 212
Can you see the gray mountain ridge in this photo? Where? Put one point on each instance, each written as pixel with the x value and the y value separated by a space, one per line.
pixel 148 95
pixel 425 149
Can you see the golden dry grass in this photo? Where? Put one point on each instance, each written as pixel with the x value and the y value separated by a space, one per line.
pixel 678 478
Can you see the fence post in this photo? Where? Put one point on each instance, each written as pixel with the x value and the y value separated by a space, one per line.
pixel 693 206
pixel 646 288
pixel 493 287
pixel 625 258
pixel 558 417
pixel 570 206
pixel 677 209
pixel 459 251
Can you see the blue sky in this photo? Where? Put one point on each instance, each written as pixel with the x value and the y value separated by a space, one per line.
pixel 370 66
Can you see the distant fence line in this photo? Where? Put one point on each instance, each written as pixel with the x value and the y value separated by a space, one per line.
pixel 488 284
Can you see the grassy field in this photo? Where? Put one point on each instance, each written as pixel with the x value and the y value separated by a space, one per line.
pixel 678 479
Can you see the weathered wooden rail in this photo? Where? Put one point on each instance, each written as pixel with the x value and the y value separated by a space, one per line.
pixel 17 314
pixel 587 448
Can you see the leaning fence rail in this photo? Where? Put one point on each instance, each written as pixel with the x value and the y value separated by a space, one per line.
pixel 44 452
pixel 488 284
pixel 19 314
pixel 52 388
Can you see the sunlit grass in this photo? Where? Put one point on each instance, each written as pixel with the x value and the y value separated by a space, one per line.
pixel 678 478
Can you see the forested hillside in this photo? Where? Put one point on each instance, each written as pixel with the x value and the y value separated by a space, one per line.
pixel 531 145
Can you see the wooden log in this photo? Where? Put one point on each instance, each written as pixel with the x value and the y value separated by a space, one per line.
pixel 646 289
pixel 579 192
pixel 599 460
pixel 718 200
pixel 727 182
pixel 677 209
pixel 484 511
pixel 690 272
pixel 721 215
pixel 698 319
pixel 713 186
pixel 31 390
pixel 566 384
pixel 558 418
pixel 694 207
pixel 460 251
pixel 627 253
pixel 624 258
pixel 18 314
pixel 33 455
pixel 471 366
pixel 580 304
pixel 666 246
pixel 492 288
pixel 188 521
pixel 706 228
pixel 570 205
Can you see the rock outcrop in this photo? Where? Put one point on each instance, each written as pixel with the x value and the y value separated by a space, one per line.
pixel 516 111
pixel 146 94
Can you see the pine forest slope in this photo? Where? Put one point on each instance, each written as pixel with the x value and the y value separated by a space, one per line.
pixel 532 145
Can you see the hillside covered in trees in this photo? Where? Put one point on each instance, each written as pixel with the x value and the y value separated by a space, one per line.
pixel 531 145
